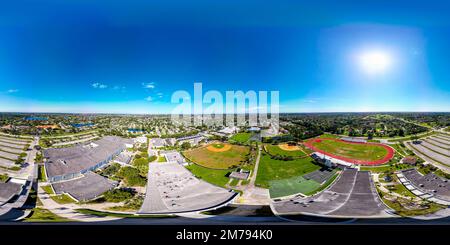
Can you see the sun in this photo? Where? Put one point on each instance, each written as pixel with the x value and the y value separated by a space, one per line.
pixel 375 61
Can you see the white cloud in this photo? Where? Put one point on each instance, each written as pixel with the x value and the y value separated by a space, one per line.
pixel 12 91
pixel 149 85
pixel 149 98
pixel 160 95
pixel 99 85
pixel 119 88
pixel 310 101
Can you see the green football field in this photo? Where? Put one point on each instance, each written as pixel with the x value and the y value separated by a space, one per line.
pixel 351 150
pixel 271 169
pixel 291 186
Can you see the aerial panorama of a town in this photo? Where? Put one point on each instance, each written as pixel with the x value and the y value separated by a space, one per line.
pixel 195 113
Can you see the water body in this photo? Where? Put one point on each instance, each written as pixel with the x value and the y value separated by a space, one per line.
pixel 135 130
pixel 80 125
pixel 36 118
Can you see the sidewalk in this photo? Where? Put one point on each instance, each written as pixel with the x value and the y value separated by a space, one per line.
pixel 68 210
pixel 253 195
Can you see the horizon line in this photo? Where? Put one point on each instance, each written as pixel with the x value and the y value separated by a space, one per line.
pixel 299 112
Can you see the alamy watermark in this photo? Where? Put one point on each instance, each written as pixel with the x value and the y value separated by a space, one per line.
pixel 235 108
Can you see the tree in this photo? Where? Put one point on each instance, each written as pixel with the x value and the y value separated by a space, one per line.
pixel 119 195
pixel 185 145
pixel 414 138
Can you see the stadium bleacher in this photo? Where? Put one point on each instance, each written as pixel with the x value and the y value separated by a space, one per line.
pixel 171 188
pixel 362 201
pixel 8 190
pixel 430 153
pixel 9 149
pixel 6 163
pixel 437 143
pixel 352 195
pixel 436 149
pixel 13 141
pixel 429 183
pixel 352 139
pixel 443 137
pixel 11 145
pixel 441 140
pixel 8 155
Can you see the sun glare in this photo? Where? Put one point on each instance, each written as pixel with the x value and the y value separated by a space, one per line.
pixel 375 61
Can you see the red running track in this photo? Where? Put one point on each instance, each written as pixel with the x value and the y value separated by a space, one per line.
pixel 350 160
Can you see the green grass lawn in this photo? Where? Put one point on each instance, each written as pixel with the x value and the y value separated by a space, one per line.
pixel 241 137
pixel 44 215
pixel 218 160
pixel 276 150
pixel 234 182
pixel 15 168
pixel 271 169
pixel 330 136
pixel 132 176
pixel 41 174
pixel 121 215
pixel 161 159
pixel 397 147
pixel 385 168
pixel 291 186
pixel 402 211
pixel 62 199
pixel 218 145
pixel 213 176
pixel 295 185
pixel 48 189
pixel 401 189
pixel 351 150
pixel 442 174
pixel 306 149
pixel 3 177
pixel 141 164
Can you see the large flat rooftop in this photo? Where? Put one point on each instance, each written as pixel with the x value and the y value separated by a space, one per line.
pixel 88 187
pixel 62 161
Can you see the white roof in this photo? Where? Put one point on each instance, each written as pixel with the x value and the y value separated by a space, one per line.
pixel 228 130
pixel 18 181
pixel 417 192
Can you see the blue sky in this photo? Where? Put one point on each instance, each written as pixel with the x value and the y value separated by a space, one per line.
pixel 78 56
